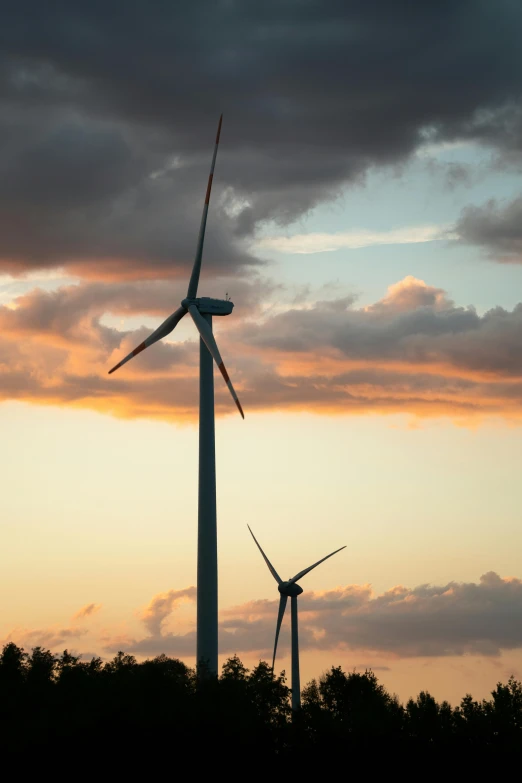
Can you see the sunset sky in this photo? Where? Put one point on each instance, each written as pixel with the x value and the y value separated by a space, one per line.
pixel 366 220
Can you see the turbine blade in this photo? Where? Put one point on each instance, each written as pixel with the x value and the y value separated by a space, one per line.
pixel 196 269
pixel 208 338
pixel 306 570
pixel 267 561
pixel 162 331
pixel 280 615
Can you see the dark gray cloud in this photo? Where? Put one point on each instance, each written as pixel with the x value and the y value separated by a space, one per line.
pixel 415 323
pixel 457 618
pixel 60 311
pixel 496 227
pixel 429 620
pixel 96 97
pixel 89 196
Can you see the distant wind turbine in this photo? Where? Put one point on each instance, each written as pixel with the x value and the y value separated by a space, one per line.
pixel 290 589
pixel 201 311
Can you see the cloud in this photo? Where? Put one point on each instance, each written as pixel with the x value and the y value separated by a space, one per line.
pixel 104 154
pixel 102 223
pixel 86 611
pixel 414 324
pixel 410 294
pixel 454 619
pixel 323 243
pixel 496 227
pixel 44 637
pixel 176 645
pixel 162 605
pixel 154 617
pixel 413 351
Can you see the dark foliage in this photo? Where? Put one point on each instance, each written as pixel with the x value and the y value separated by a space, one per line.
pixel 60 707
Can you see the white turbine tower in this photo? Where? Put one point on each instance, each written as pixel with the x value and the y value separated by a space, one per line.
pixel 201 310
pixel 291 589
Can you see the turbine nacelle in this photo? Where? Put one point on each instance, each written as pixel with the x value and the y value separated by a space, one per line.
pixel 208 306
pixel 290 589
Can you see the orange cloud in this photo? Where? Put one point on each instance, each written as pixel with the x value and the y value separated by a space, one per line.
pixel 414 352
pixel 162 605
pixel 409 294
pixel 44 637
pixel 86 611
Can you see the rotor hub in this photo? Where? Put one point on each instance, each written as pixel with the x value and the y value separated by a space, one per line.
pixel 290 589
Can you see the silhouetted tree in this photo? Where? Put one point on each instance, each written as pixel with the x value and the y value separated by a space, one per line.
pixel 270 695
pixel 61 704
pixel 41 669
pixel 428 721
pixel 13 665
pixel 233 670
pixel 354 706
pixel 252 706
pixel 471 722
pixel 504 712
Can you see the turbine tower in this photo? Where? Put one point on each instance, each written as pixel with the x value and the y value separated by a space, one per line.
pixel 201 311
pixel 291 589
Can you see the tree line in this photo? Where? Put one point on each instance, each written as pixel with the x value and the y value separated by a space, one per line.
pixel 50 702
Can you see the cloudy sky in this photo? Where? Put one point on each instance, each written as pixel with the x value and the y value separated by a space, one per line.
pixel 366 219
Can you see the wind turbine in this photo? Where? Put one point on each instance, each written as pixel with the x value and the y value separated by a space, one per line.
pixel 291 589
pixel 201 311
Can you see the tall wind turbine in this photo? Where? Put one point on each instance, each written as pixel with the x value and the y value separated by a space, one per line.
pixel 201 311
pixel 291 589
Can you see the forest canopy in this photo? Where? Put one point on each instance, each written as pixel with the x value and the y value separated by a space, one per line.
pixel 51 701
